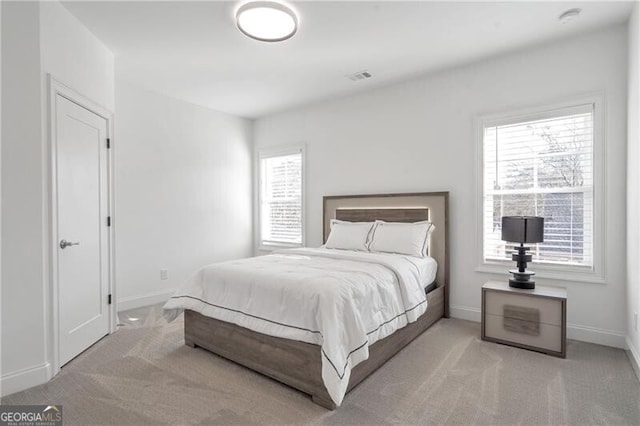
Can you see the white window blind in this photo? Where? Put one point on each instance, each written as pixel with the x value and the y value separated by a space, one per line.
pixel 281 199
pixel 542 166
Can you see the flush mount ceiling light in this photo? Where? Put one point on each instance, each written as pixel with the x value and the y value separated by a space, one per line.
pixel 569 15
pixel 266 21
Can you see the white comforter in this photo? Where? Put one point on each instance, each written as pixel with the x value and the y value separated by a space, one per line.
pixel 341 300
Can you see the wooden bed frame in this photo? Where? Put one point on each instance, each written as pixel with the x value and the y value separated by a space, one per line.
pixel 299 364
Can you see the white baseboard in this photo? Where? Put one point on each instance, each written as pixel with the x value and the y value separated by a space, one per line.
pixel 24 379
pixel 634 357
pixel 133 302
pixel 596 335
pixel 575 332
pixel 465 313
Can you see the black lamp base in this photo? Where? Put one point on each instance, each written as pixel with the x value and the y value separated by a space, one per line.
pixel 526 285
pixel 522 279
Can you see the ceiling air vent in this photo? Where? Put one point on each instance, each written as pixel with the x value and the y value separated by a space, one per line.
pixel 357 76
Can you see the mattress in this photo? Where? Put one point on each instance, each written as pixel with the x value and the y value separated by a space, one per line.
pixel 428 270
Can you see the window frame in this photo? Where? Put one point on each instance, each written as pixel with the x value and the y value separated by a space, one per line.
pixel 270 153
pixel 593 274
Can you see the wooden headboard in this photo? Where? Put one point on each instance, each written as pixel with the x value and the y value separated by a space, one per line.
pixel 408 215
pixel 412 207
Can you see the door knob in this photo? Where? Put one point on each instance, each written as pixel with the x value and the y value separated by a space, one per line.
pixel 64 244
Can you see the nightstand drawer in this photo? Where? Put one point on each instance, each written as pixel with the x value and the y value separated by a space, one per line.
pixel 539 335
pixel 533 309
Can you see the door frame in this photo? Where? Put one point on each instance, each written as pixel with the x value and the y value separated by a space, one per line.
pixel 52 344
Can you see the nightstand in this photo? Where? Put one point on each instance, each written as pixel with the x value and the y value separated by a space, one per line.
pixel 530 319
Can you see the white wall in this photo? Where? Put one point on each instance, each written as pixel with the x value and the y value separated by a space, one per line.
pixel 418 136
pixel 74 56
pixel 23 352
pixel 183 183
pixel 0 195
pixel 38 38
pixel 633 185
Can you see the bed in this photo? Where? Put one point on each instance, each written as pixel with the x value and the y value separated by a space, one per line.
pixel 303 364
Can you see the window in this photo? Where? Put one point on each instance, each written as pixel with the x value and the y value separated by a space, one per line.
pixel 542 165
pixel 281 198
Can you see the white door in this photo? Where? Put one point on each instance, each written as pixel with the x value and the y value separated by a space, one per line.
pixel 83 245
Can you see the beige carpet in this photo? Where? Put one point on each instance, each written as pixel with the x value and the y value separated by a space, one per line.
pixel 143 374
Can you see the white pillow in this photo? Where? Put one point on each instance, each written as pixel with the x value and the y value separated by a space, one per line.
pixel 402 238
pixel 350 235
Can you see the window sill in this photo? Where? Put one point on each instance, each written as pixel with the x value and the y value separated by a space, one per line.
pixel 274 247
pixel 546 272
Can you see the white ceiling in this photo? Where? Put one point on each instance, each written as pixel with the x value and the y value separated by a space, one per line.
pixel 192 50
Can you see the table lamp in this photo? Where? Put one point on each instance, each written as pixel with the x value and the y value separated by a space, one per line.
pixel 522 229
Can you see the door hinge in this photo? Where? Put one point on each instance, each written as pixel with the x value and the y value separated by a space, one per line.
pixel 109 299
pixel 108 143
pixel 108 220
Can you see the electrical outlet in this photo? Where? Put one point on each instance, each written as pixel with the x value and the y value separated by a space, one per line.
pixel 164 274
pixel 635 321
